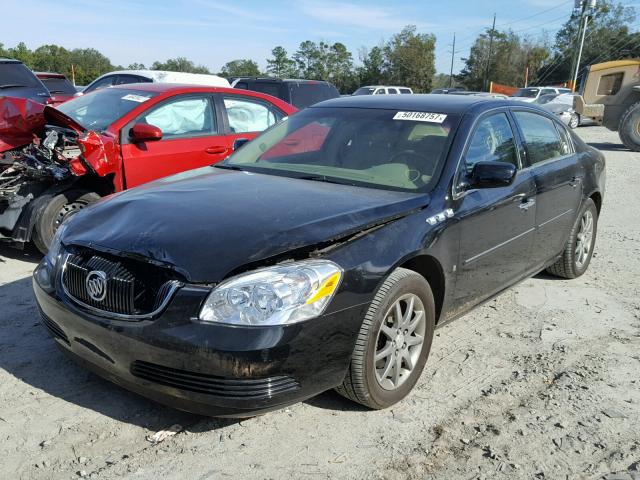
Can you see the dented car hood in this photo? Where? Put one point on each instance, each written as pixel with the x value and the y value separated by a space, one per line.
pixel 20 120
pixel 210 222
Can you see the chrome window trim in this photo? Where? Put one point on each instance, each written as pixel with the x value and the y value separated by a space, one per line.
pixel 175 286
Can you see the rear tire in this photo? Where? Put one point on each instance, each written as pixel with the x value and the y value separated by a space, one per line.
pixel 579 247
pixel 59 209
pixel 393 343
pixel 629 127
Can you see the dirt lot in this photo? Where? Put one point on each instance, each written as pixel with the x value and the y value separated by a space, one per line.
pixel 543 382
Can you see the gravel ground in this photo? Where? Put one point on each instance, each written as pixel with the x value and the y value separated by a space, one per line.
pixel 540 383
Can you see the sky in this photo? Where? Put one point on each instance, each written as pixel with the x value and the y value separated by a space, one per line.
pixel 212 32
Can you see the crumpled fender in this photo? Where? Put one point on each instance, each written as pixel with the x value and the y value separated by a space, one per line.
pixel 20 120
pixel 100 152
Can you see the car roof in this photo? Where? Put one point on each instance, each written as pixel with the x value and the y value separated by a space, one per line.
pixel 282 80
pixel 9 60
pixel 437 103
pixel 384 86
pixel 163 75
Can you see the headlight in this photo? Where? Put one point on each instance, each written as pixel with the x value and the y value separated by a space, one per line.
pixel 55 249
pixel 274 296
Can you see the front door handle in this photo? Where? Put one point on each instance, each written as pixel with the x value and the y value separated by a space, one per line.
pixel 216 150
pixel 528 204
pixel 575 181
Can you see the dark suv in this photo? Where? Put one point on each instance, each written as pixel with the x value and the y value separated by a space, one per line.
pixel 16 80
pixel 299 93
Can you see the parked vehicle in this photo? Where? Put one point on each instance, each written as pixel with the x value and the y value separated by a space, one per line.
pixel 16 80
pixel 441 91
pixel 382 90
pixel 122 77
pixel 59 87
pixel 322 254
pixel 299 93
pixel 111 140
pixel 611 97
pixel 499 96
pixel 561 105
pixel 531 94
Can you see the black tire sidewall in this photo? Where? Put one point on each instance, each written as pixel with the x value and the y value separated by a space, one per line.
pixel 412 284
pixel 628 127
pixel 45 229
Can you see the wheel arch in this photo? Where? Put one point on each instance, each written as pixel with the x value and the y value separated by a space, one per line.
pixel 597 199
pixel 431 270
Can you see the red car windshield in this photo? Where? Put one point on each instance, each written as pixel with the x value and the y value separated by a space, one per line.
pixel 99 109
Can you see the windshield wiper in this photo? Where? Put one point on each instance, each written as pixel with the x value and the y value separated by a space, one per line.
pixel 12 85
pixel 322 178
pixel 228 167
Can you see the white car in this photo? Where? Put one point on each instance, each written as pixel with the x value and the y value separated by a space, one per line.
pixel 531 94
pixel 382 90
pixel 154 76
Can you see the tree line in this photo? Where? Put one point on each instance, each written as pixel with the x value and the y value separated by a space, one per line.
pixel 407 58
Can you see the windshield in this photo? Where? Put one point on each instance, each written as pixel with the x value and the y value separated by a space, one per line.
pixel 58 85
pixel 527 92
pixel 383 149
pixel 98 110
pixel 364 91
pixel 17 75
pixel 542 99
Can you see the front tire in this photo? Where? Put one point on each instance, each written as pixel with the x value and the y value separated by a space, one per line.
pixel 393 343
pixel 574 121
pixel 579 247
pixel 629 127
pixel 60 208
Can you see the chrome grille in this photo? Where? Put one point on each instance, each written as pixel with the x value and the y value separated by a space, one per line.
pixel 120 284
pixel 134 289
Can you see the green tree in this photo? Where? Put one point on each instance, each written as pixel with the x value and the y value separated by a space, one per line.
pixel 240 68
pixel 179 64
pixel 280 65
pixel 410 59
pixel 510 58
pixel 306 58
pixel 372 71
pixel 88 64
pixel 136 66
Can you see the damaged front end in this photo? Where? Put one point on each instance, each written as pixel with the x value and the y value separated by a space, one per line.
pixel 52 160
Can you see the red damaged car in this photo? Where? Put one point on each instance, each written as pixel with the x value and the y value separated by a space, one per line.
pixel 55 161
pixel 59 86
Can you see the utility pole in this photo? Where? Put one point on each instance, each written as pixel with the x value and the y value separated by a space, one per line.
pixel 587 9
pixel 453 54
pixel 486 73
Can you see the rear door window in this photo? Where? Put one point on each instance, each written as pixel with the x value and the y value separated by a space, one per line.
pixel 247 115
pixel 405 91
pixel 392 91
pixel 541 137
pixel 183 117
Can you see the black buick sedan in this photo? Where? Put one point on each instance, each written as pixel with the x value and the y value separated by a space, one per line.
pixel 322 254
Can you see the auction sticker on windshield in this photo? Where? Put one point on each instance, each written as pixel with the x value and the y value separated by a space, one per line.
pixel 135 98
pixel 421 117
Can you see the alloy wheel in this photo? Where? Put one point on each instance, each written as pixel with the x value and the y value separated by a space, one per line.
pixel 399 341
pixel 584 239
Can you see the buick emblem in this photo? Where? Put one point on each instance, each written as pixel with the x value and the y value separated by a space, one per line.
pixel 96 285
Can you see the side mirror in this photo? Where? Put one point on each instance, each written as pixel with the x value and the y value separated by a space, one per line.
pixel 143 132
pixel 239 142
pixel 492 175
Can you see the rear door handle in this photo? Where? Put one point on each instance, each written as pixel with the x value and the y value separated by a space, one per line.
pixel 528 204
pixel 217 149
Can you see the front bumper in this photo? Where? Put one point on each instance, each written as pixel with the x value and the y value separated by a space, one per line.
pixel 210 370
